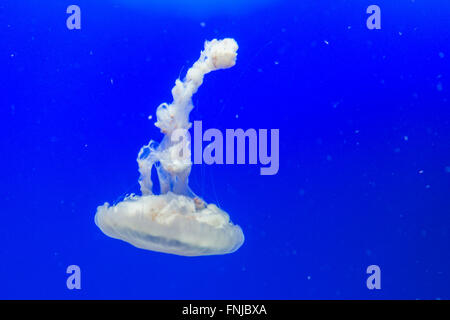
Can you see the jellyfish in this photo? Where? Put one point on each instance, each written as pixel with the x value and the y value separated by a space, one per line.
pixel 176 220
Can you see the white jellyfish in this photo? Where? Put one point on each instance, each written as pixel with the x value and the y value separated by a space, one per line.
pixel 175 221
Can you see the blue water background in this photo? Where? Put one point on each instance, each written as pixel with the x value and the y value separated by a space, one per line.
pixel 364 172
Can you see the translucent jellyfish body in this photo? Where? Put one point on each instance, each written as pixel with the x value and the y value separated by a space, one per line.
pixel 175 221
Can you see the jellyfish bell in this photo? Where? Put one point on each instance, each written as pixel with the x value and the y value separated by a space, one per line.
pixel 170 223
pixel 175 221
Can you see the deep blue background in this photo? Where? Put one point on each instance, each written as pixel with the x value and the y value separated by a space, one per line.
pixel 364 146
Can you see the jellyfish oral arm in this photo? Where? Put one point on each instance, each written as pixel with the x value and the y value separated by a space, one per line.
pixel 173 119
pixel 218 54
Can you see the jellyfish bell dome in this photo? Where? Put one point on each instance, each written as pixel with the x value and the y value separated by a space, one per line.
pixel 175 221
pixel 170 223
